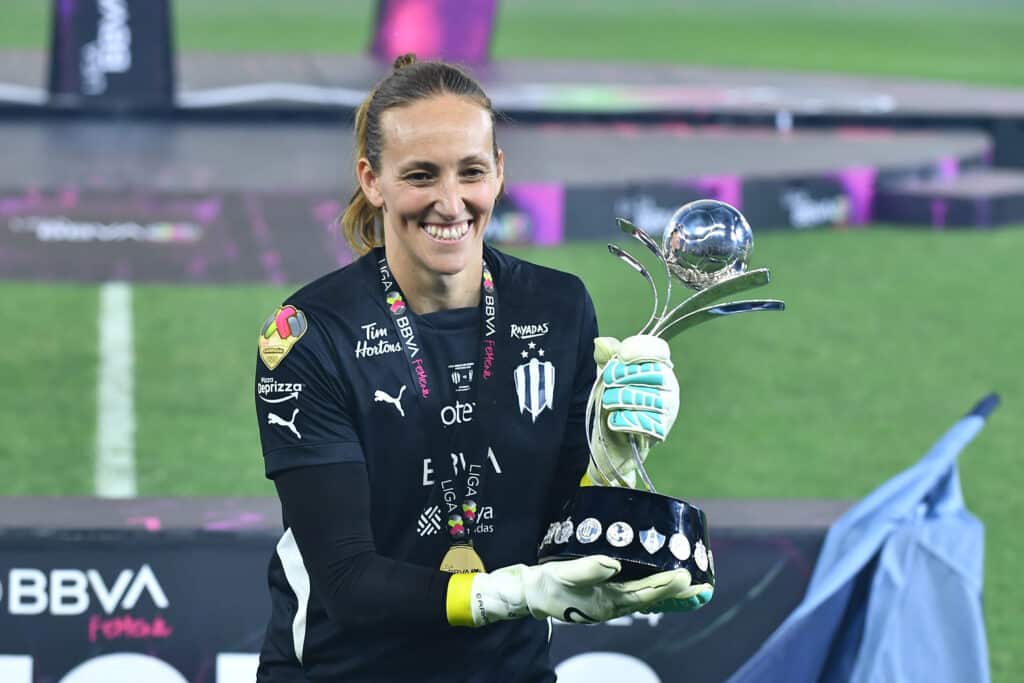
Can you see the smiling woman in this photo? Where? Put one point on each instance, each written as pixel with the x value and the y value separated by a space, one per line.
pixel 453 443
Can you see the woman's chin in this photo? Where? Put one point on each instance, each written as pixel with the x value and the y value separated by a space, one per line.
pixel 451 259
pixel 447 264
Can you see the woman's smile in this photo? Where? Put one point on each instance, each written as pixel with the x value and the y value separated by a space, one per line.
pixel 448 233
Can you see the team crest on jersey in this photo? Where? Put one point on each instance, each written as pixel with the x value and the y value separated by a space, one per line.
pixel 462 375
pixel 280 333
pixel 535 383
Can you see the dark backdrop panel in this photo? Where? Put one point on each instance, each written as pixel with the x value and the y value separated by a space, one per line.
pixel 112 54
pixel 194 601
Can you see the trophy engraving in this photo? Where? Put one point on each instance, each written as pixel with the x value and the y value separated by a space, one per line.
pixel 706 246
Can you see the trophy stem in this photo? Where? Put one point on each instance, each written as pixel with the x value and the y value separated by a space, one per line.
pixel 719 290
pixel 653 247
pixel 640 465
pixel 703 315
pixel 631 261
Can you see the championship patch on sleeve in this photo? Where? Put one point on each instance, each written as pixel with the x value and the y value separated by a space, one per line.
pixel 280 333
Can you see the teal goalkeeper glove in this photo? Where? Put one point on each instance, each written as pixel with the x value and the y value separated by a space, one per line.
pixel 693 598
pixel 573 591
pixel 638 395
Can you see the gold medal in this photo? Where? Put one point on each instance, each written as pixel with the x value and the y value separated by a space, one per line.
pixel 461 558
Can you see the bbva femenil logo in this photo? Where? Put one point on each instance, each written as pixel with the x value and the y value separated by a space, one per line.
pixel 63 592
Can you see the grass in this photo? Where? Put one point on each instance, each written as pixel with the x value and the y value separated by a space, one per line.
pixel 48 404
pixel 197 425
pixel 936 39
pixel 871 357
pixel 890 335
pixel 869 364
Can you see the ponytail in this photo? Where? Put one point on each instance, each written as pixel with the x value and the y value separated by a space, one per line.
pixel 359 221
pixel 359 224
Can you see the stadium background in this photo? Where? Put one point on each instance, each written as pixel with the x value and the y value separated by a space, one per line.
pixel 889 335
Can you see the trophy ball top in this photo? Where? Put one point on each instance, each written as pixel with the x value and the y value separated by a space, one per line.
pixel 705 242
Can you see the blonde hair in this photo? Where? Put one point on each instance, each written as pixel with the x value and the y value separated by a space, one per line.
pixel 408 82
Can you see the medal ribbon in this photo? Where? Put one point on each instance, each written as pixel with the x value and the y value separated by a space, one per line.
pixel 463 517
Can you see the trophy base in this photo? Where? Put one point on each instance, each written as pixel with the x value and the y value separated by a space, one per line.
pixel 647 532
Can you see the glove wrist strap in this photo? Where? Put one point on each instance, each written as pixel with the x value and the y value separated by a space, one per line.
pixel 457 602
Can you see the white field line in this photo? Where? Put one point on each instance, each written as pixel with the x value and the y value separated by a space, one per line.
pixel 21 94
pixel 115 408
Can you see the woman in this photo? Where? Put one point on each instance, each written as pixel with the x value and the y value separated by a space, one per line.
pixel 421 414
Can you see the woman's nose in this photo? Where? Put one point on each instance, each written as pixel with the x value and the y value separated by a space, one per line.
pixel 449 202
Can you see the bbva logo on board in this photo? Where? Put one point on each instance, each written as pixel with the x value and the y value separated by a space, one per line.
pixel 64 592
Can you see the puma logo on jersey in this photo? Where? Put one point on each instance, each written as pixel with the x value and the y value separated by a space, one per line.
pixel 273 419
pixel 396 401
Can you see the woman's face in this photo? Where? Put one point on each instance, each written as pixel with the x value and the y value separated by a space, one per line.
pixel 437 182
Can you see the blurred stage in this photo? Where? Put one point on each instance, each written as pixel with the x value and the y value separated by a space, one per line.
pixel 242 180
pixel 537 88
pixel 159 200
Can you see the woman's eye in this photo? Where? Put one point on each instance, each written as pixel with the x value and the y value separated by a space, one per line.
pixel 418 177
pixel 473 172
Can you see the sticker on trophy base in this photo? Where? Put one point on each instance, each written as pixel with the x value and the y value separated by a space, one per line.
pixel 651 540
pixel 679 546
pixel 700 556
pixel 564 532
pixel 620 534
pixel 588 531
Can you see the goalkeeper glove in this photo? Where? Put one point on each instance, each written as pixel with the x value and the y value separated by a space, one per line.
pixel 573 591
pixel 693 598
pixel 639 396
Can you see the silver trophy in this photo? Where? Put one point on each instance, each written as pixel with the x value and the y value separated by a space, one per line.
pixel 706 245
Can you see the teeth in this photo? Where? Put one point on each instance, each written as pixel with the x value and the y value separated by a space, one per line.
pixel 447 232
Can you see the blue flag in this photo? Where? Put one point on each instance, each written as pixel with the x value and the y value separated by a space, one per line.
pixel 896 591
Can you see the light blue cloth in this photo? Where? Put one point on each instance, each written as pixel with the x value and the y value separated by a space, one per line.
pixel 896 591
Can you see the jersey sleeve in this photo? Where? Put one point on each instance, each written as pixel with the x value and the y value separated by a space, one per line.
pixel 329 510
pixel 300 400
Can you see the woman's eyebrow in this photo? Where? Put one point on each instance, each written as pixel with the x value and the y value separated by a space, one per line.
pixel 418 165
pixel 424 165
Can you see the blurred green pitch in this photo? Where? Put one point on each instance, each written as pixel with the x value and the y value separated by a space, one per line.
pixel 871 361
pixel 975 41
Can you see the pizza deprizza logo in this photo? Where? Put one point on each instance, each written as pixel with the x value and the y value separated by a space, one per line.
pixel 270 390
pixel 528 331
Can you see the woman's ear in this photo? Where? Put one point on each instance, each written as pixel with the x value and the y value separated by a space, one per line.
pixel 368 181
pixel 500 171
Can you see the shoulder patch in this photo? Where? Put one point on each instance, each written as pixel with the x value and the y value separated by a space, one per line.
pixel 280 333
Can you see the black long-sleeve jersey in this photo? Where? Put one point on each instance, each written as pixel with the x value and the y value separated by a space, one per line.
pixel 357 593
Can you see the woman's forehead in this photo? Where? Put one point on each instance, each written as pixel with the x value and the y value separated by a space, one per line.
pixel 444 125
